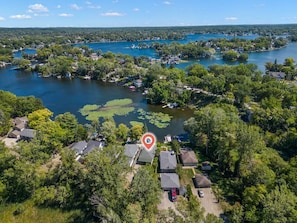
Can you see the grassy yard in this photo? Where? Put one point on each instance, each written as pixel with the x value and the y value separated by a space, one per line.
pixel 31 214
pixel 186 176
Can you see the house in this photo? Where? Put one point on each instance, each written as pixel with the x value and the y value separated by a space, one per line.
pixel 188 157
pixel 205 165
pixel 20 123
pixel 138 83
pixel 27 134
pixel 79 147
pixel 146 156
pixel 201 181
pixel 167 161
pixel 91 145
pixel 169 181
pixel 14 134
pixel 277 75
pixel 131 152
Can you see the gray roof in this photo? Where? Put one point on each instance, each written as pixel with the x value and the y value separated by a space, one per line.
pixel 131 150
pixel 169 181
pixel 28 133
pixel 93 144
pixel 167 160
pixel 79 146
pixel 147 156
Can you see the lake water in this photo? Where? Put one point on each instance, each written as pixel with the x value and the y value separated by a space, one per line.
pixel 62 95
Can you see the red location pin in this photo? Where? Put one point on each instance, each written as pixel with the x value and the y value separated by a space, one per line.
pixel 148 140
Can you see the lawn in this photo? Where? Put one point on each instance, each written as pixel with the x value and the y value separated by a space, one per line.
pixel 31 214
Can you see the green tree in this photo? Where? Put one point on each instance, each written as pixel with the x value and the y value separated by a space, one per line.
pixel 108 130
pixel 145 189
pixel 136 132
pixel 122 132
pixel 280 205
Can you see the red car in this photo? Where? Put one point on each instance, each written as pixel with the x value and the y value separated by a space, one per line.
pixel 173 194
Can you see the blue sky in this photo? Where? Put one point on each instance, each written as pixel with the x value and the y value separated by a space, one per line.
pixel 130 13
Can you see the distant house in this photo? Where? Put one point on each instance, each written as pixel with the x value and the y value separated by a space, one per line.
pixel 169 181
pixel 20 123
pixel 277 75
pixel 27 134
pixel 14 134
pixel 167 161
pixel 201 181
pixel 205 165
pixel 131 152
pixel 146 156
pixel 188 157
pixel 138 83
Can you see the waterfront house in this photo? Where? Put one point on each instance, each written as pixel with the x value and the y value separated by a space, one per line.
pixel 167 161
pixel 277 75
pixel 169 181
pixel 20 123
pixel 188 157
pixel 79 147
pixel 27 134
pixel 146 156
pixel 93 144
pixel 131 152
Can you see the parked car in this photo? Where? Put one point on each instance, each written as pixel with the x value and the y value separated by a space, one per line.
pixel 201 193
pixel 173 194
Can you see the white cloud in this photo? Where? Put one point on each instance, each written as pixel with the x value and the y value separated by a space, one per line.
pixel 65 15
pixel 167 3
pixel 112 14
pixel 88 3
pixel 136 9
pixel 75 6
pixel 20 16
pixel 94 6
pixel 59 6
pixel 37 8
pixel 231 18
pixel 2 18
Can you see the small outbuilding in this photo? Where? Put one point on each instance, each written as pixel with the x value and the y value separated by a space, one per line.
pixel 205 165
pixel 201 181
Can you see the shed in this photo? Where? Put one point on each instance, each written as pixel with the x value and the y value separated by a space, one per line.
pixel 201 181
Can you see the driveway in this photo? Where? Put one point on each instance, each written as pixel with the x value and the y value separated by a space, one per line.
pixel 209 202
pixel 166 203
pixel 9 142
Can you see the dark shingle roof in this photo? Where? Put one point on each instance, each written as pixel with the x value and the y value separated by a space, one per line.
pixel 188 156
pixel 202 181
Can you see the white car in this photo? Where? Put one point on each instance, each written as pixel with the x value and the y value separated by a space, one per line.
pixel 200 193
